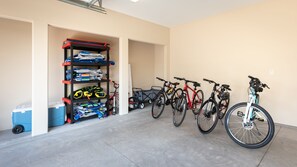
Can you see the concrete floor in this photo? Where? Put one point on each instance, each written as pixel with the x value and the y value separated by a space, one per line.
pixel 137 139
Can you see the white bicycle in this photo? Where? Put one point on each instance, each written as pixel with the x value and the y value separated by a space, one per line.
pixel 248 124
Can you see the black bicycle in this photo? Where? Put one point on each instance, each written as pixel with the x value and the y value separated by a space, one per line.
pixel 164 97
pixel 211 110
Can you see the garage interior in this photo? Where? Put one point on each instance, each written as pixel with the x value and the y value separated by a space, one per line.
pixel 225 41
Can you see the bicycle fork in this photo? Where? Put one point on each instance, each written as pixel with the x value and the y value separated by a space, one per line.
pixel 249 113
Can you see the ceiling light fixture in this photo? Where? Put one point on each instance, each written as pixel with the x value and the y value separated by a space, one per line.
pixel 95 5
pixel 134 0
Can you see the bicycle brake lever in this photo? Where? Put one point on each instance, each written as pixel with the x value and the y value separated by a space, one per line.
pixel 265 85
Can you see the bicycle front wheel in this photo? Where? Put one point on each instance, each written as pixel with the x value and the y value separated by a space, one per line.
pixel 177 94
pixel 223 107
pixel 197 101
pixel 207 117
pixel 179 111
pixel 158 105
pixel 256 132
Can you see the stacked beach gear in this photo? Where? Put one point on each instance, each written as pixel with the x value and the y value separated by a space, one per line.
pixel 88 66
pixel 85 74
pixel 89 109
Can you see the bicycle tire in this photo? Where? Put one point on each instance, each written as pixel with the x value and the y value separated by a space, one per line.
pixel 180 110
pixel 158 105
pixel 204 114
pixel 177 93
pixel 197 103
pixel 270 131
pixel 222 111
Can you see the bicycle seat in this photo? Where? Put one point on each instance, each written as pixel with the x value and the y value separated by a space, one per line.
pixel 175 83
pixel 196 84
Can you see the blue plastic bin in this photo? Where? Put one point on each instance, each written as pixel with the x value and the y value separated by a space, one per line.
pixel 22 115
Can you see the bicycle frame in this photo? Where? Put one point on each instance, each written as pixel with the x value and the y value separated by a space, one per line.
pixel 168 90
pixel 249 111
pixel 189 101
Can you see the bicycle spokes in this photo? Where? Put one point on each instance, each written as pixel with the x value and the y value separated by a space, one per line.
pixel 179 111
pixel 250 132
pixel 207 117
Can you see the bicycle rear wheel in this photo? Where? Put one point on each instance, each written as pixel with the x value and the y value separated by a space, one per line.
pixel 207 116
pixel 158 105
pixel 223 107
pixel 197 101
pixel 179 111
pixel 256 133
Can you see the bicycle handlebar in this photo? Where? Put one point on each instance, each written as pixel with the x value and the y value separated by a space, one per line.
pixel 254 79
pixel 170 83
pixel 210 81
pixel 160 79
pixel 265 86
pixel 207 80
pixel 226 87
pixel 115 85
pixel 178 78
pixel 183 79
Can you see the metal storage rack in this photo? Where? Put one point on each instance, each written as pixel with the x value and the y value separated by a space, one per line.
pixel 68 96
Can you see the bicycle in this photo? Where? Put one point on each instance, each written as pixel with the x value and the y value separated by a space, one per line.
pixel 113 101
pixel 211 110
pixel 247 123
pixel 164 97
pixel 184 102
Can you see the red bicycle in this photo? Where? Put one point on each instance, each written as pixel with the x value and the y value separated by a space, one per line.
pixel 113 101
pixel 184 102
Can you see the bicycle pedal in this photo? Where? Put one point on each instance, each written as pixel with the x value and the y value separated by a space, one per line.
pixel 260 119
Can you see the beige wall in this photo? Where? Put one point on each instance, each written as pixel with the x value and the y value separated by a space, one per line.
pixel 259 40
pixel 56 57
pixel 159 64
pixel 147 63
pixel 15 67
pixel 142 60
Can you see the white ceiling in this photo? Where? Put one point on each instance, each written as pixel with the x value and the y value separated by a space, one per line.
pixel 174 12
